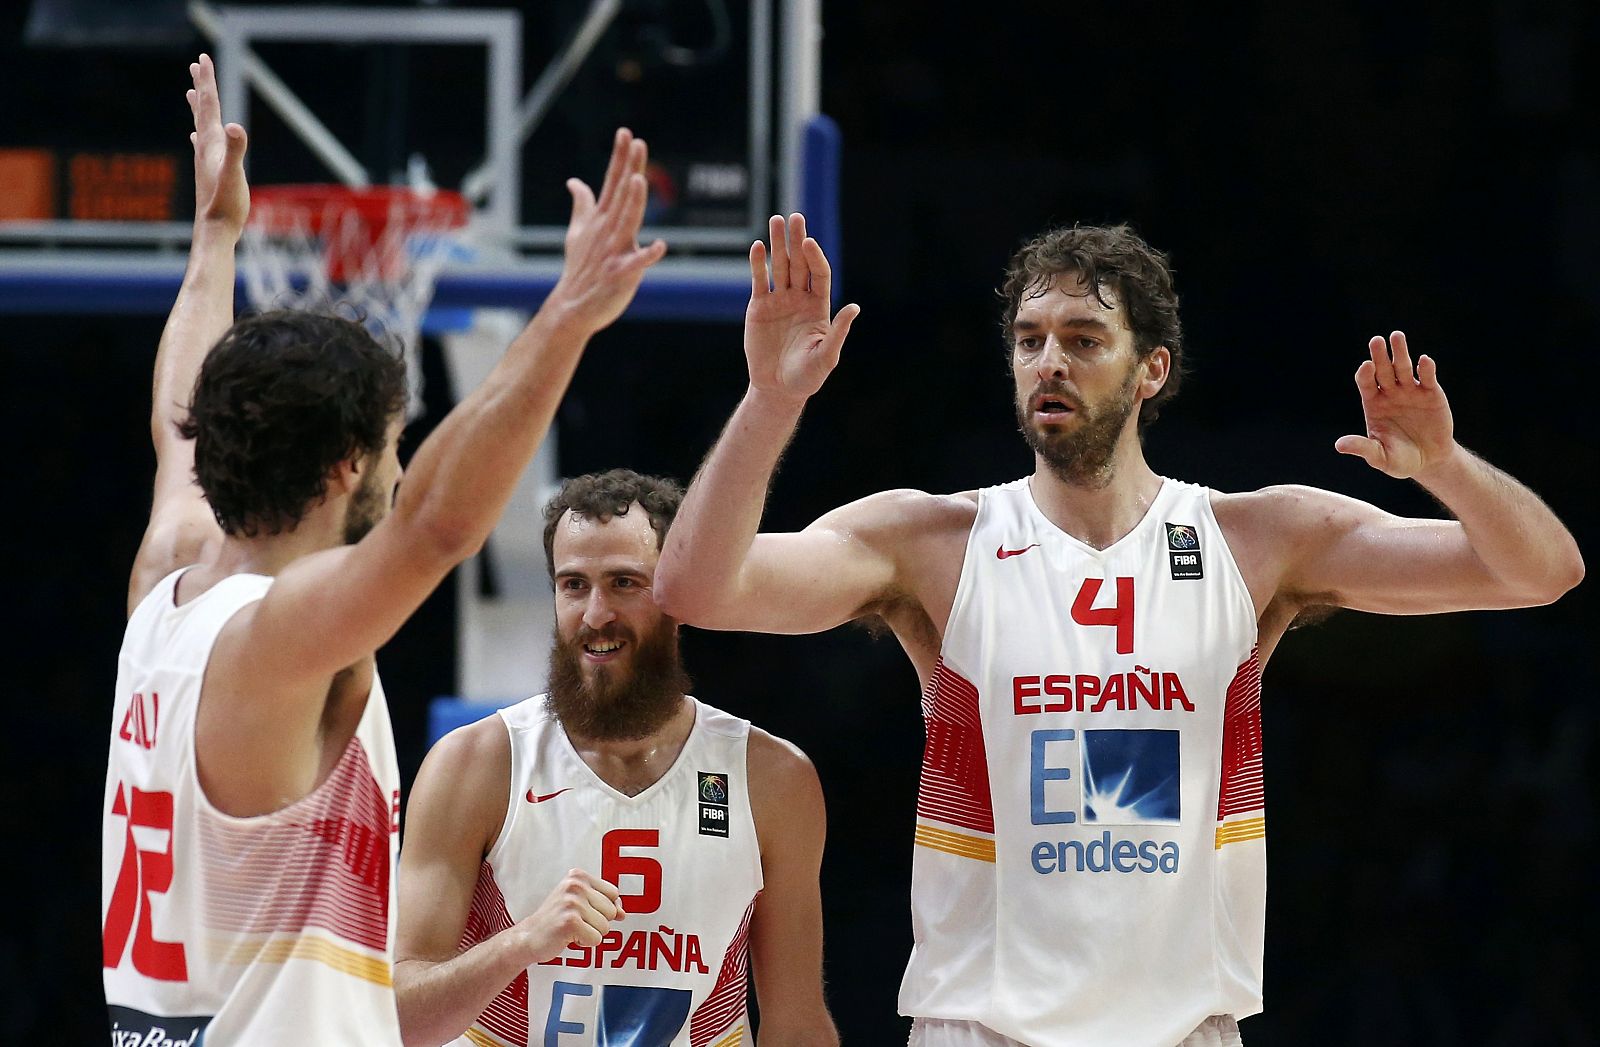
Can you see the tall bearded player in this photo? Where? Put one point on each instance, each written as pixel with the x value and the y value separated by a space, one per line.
pixel 1090 865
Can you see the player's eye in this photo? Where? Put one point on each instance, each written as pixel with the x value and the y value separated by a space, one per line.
pixel 1087 343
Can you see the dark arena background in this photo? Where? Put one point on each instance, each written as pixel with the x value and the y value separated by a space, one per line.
pixel 1319 173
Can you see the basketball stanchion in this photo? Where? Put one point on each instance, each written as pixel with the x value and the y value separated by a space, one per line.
pixel 372 254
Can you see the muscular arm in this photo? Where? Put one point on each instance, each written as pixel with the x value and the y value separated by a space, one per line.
pixel 1505 548
pixel 716 571
pixel 181 523
pixel 457 807
pixel 786 930
pixel 330 609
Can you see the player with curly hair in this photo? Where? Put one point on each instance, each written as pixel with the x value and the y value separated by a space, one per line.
pixel 252 792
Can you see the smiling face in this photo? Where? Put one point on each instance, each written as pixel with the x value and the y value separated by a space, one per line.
pixel 1079 378
pixel 614 670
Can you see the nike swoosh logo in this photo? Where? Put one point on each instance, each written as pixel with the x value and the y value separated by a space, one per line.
pixel 547 796
pixel 1002 552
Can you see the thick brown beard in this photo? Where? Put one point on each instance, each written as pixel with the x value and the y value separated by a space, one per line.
pixel 618 704
pixel 1083 458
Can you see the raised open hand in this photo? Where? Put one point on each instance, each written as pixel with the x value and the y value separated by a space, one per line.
pixel 1409 426
pixel 789 343
pixel 221 194
pixel 604 262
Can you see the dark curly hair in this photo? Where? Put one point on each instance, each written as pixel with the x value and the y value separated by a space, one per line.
pixel 282 399
pixel 600 496
pixel 1110 258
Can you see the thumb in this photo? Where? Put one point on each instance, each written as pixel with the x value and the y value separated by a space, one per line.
pixel 1363 447
pixel 582 197
pixel 833 344
pixel 238 141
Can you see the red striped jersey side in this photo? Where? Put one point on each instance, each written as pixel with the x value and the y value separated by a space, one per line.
pixel 1242 789
pixel 323 862
pixel 955 768
pixel 507 1014
pixel 725 1004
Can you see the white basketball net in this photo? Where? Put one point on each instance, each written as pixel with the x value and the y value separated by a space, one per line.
pixel 294 250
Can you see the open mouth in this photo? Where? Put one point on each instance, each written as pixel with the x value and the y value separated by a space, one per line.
pixel 1052 408
pixel 602 650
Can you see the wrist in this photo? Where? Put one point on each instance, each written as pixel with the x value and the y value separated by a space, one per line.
pixel 561 320
pixel 213 234
pixel 1447 468
pixel 772 404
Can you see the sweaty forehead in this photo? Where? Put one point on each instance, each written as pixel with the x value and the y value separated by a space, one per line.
pixel 625 537
pixel 1067 295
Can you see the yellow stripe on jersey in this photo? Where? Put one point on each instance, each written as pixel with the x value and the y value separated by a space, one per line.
pixel 480 1038
pixel 1243 829
pixel 318 950
pixel 961 845
pixel 733 1039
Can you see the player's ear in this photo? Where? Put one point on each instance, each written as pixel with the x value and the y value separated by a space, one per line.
pixel 346 476
pixel 1157 364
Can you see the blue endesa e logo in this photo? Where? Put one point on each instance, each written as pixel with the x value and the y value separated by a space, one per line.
pixel 1117 777
pixel 626 1014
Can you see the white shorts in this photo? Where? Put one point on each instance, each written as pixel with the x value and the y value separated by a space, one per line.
pixel 1219 1030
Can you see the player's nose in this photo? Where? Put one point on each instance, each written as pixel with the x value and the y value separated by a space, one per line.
pixel 1053 360
pixel 597 610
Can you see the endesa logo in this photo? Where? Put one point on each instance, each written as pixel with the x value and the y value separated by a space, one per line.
pixel 1105 777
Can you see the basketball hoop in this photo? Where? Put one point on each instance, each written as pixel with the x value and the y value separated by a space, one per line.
pixel 378 250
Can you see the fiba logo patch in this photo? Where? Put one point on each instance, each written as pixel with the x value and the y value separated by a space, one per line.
pixel 713 804
pixel 1183 551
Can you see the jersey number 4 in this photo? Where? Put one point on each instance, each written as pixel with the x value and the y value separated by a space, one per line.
pixel 1119 614
pixel 143 873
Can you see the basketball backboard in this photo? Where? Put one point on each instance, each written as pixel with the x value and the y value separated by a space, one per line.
pixel 501 102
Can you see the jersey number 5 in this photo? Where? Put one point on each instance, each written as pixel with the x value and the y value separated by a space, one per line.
pixel 143 873
pixel 614 865
pixel 1119 614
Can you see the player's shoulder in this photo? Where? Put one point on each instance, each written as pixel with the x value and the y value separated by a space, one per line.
pixel 904 512
pixel 459 795
pixel 777 761
pixel 470 750
pixel 785 792
pixel 1282 509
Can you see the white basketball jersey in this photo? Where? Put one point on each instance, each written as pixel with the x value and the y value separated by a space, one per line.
pixel 684 855
pixel 219 930
pixel 1090 865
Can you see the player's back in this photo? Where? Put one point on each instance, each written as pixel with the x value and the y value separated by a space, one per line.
pixel 276 928
pixel 683 853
